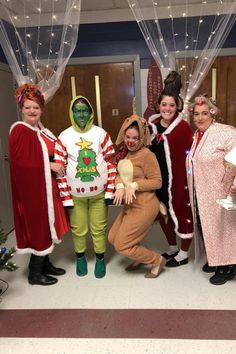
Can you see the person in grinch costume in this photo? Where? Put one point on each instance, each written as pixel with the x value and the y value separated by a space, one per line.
pixel 84 149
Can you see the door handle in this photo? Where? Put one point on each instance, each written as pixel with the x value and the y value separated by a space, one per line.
pixel 4 157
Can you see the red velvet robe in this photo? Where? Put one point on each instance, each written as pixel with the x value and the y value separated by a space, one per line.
pixel 36 201
pixel 177 142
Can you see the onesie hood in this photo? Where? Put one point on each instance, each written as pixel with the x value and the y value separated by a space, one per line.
pixel 91 118
pixel 144 134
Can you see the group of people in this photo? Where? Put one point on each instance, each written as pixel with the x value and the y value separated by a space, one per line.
pixel 157 170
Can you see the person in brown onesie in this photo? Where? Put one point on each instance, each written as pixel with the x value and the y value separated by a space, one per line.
pixel 137 178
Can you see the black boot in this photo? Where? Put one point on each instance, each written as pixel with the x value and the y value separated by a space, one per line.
pixel 222 275
pixel 48 268
pixel 36 275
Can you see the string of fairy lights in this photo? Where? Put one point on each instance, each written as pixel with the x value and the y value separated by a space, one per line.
pixel 38 45
pixel 40 41
pixel 179 49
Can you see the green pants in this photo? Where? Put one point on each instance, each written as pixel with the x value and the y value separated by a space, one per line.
pixel 90 211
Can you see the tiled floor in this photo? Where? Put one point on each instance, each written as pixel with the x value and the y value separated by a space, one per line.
pixel 123 312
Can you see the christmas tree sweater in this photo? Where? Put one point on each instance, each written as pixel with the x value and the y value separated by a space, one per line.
pixel 84 155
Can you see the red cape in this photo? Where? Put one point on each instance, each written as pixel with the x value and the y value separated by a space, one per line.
pixel 31 190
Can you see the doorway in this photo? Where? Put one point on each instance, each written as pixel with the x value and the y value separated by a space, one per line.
pixel 119 83
pixel 8 117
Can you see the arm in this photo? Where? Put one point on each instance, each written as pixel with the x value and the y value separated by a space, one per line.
pixel 108 148
pixel 57 168
pixel 151 181
pixel 152 173
pixel 60 159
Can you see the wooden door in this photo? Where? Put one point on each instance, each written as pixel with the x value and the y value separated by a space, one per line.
pixel 116 92
pixel 8 116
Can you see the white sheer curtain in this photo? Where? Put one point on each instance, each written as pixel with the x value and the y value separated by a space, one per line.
pixel 183 37
pixel 38 38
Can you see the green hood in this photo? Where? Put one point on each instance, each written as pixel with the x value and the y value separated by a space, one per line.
pixel 91 118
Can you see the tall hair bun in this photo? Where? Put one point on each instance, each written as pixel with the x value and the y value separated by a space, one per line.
pixel 172 83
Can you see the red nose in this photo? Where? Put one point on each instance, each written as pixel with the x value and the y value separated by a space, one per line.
pixel 131 143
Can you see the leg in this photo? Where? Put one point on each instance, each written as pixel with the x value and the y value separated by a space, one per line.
pixel 131 228
pixel 79 223
pixel 48 268
pixel 169 231
pixel 111 238
pixel 36 274
pixel 98 222
pixel 182 257
pixel 222 275
pixel 79 228
pixel 115 228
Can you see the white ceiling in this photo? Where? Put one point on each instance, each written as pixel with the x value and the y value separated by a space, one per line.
pixel 94 11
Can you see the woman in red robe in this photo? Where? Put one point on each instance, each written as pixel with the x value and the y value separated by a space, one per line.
pixel 171 141
pixel 39 216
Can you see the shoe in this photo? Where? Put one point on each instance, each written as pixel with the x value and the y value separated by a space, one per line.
pixel 172 263
pixel 48 268
pixel 156 269
pixel 36 273
pixel 222 275
pixel 133 266
pixel 208 269
pixel 100 268
pixel 41 279
pixel 169 256
pixel 81 266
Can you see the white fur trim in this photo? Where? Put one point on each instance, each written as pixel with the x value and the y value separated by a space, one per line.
pixel 154 128
pixel 68 202
pixel 168 162
pixel 33 251
pixel 172 126
pixel 48 181
pixel 120 186
pixel 25 124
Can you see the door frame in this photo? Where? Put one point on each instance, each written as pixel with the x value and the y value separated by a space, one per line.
pixel 135 59
pixel 10 115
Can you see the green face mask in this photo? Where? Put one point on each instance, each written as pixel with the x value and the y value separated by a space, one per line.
pixel 81 114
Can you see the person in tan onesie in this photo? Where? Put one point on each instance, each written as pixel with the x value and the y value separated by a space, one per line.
pixel 138 177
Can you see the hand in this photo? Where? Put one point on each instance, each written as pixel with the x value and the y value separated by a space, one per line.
pixel 233 190
pixel 57 168
pixel 129 195
pixel 118 196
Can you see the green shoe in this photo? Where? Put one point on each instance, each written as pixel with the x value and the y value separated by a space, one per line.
pixel 100 268
pixel 81 266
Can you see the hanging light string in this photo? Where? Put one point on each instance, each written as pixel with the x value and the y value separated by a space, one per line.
pixel 174 34
pixel 26 41
pixel 145 31
pixel 222 26
pixel 51 36
pixel 13 21
pixel 195 62
pixel 38 38
pixel 31 54
pixel 186 46
pixel 160 35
